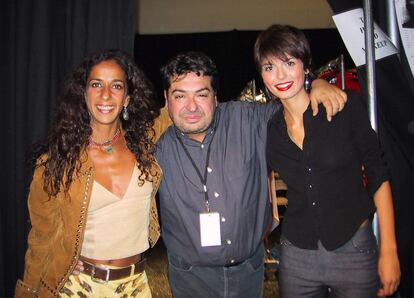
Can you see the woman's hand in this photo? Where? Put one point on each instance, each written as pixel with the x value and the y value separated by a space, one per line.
pixel 388 264
pixel 332 98
pixel 389 273
pixel 78 268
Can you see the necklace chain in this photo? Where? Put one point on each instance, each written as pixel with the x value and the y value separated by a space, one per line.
pixel 107 145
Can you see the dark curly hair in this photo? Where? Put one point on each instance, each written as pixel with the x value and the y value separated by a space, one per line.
pixel 184 63
pixel 71 129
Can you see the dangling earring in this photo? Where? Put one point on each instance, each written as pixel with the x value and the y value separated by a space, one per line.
pixel 125 114
pixel 268 95
pixel 307 81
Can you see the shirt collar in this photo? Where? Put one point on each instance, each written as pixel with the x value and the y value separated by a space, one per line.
pixel 279 119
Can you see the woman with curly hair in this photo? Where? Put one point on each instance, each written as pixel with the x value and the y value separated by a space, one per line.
pixel 92 197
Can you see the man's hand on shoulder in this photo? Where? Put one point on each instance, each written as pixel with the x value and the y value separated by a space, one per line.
pixel 332 98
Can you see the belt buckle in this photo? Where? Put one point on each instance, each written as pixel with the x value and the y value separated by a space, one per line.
pixel 98 280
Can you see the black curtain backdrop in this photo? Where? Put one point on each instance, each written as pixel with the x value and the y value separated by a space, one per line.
pixel 232 51
pixel 395 104
pixel 41 42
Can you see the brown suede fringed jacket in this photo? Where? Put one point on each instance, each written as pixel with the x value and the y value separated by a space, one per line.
pixel 58 226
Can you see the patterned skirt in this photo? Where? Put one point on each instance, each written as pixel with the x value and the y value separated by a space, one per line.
pixel 83 286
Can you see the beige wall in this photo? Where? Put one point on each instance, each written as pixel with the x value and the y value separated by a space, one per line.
pixel 182 16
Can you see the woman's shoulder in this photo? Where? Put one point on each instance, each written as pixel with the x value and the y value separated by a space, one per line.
pixel 40 164
pixel 42 159
pixel 354 102
pixel 355 98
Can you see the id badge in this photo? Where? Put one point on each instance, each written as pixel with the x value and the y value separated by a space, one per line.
pixel 210 229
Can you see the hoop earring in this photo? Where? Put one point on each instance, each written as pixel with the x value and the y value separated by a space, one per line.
pixel 307 81
pixel 125 114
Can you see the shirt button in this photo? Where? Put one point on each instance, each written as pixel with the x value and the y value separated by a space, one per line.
pixel 223 219
pixel 216 194
pixel 313 203
pixel 202 146
pixel 209 170
pixel 310 185
pixel 309 169
pixel 228 241
pixel 232 261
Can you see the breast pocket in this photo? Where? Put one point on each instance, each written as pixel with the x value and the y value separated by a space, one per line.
pixel 243 182
pixel 238 169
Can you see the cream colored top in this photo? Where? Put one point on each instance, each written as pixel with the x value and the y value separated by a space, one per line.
pixel 117 227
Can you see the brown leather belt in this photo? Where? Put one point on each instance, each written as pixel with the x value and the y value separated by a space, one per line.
pixel 102 274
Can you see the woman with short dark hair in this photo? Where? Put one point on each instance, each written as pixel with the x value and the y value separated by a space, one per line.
pixel 328 246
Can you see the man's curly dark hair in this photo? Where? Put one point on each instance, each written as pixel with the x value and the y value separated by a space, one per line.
pixel 71 129
pixel 191 61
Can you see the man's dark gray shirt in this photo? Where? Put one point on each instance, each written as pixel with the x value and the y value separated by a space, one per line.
pixel 236 185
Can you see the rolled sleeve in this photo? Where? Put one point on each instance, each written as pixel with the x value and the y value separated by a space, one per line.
pixel 368 145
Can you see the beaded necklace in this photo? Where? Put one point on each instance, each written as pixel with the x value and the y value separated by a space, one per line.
pixel 107 145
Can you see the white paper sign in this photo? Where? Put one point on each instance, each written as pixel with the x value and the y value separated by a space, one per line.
pixel 210 229
pixel 350 25
pixel 405 25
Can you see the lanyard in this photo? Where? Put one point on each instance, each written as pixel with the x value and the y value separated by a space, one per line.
pixel 202 179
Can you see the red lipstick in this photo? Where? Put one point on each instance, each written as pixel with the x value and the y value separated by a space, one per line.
pixel 284 86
